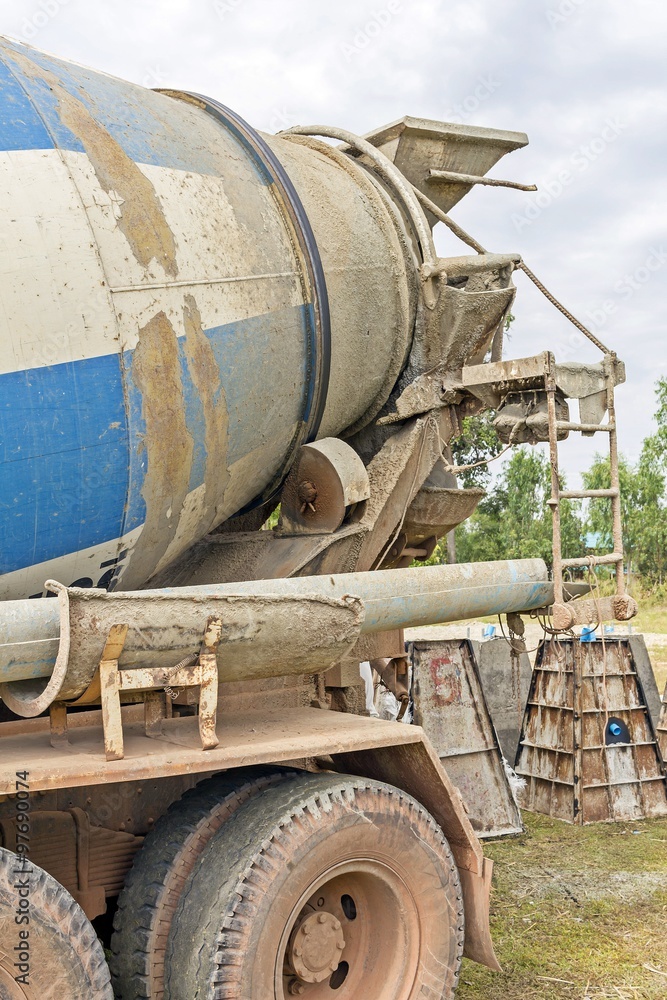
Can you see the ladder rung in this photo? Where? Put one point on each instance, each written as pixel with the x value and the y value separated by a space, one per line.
pixel 612 557
pixel 568 425
pixel 585 494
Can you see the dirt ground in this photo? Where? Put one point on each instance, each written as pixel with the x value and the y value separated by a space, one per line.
pixel 577 914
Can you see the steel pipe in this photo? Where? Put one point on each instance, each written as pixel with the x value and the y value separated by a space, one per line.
pixel 30 630
pixel 426 595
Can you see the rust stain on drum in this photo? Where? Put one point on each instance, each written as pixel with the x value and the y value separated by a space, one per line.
pixel 157 373
pixel 142 220
pixel 205 375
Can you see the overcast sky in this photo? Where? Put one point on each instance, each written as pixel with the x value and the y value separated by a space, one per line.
pixel 586 79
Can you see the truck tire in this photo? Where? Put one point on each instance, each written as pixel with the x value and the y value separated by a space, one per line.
pixel 62 953
pixel 326 886
pixel 147 903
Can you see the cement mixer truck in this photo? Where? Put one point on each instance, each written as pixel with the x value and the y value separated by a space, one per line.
pixel 232 366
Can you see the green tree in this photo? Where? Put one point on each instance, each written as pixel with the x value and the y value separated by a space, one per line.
pixel 643 502
pixel 655 445
pixel 478 442
pixel 514 520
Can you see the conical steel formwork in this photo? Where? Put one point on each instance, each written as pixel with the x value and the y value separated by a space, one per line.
pixel 588 748
pixel 450 705
pixel 662 726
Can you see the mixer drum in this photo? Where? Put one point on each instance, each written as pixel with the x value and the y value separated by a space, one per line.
pixel 184 302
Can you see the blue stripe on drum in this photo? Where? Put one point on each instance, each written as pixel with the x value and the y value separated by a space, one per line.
pixel 20 124
pixel 64 448
pixel 150 128
pixel 72 454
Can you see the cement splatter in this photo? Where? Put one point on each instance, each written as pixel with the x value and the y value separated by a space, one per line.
pixel 205 376
pixel 141 216
pixel 169 445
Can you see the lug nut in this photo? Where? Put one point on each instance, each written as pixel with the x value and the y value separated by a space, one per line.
pixel 295 988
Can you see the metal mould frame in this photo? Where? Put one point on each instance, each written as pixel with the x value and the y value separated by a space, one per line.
pixel 451 707
pixel 577 769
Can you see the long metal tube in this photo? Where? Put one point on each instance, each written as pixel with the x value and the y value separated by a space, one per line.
pixel 425 595
pixel 29 630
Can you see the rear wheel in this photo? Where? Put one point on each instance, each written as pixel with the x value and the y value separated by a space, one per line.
pixel 327 887
pixel 54 955
pixel 149 898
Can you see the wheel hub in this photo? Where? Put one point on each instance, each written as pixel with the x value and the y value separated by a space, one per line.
pixel 317 947
pixel 9 988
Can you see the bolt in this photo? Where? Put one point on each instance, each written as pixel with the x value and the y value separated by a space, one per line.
pixel 295 988
pixel 336 924
pixel 333 966
pixel 298 952
pixel 307 491
pixel 307 495
pixel 322 918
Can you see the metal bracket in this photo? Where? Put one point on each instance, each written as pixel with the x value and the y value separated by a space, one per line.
pixel 156 681
pixel 593 611
pixel 58 725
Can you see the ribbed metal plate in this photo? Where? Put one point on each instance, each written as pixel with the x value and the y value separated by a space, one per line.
pixel 451 708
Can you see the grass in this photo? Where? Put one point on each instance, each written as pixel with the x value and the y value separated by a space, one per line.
pixel 658 656
pixel 577 913
pixel 651 617
pixel 652 620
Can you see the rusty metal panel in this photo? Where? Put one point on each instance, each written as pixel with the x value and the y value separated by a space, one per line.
pixel 644 668
pixel 577 767
pixel 450 706
pixel 246 738
pixel 662 726
pixel 506 682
